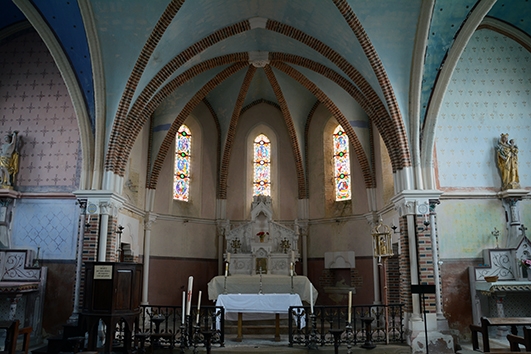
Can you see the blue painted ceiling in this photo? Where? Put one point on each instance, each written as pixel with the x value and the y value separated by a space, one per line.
pixel 123 27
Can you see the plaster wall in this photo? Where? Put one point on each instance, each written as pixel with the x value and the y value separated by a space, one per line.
pixel 203 170
pixel 284 188
pixel 36 102
pixel 179 237
pixel 465 226
pixel 320 172
pixel 488 95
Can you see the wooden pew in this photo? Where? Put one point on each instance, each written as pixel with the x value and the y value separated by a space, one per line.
pixel 12 332
pixel 514 341
pixel 486 322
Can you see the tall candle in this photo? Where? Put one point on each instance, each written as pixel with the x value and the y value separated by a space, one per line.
pixel 349 305
pixel 226 269
pixel 291 268
pixel 311 300
pixel 228 257
pixel 184 307
pixel 189 295
pixel 292 256
pixel 198 306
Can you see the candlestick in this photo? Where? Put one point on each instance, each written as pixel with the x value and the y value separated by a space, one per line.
pixel 189 295
pixel 184 307
pixel 198 306
pixel 291 269
pixel 349 305
pixel 311 301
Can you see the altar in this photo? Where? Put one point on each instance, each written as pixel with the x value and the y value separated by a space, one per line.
pixel 271 284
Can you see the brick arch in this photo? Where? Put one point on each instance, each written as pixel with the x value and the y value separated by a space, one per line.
pixel 402 142
pixel 387 128
pixel 291 131
pixel 115 158
pixel 194 101
pixel 139 116
pixel 132 82
pixel 321 96
pixel 231 132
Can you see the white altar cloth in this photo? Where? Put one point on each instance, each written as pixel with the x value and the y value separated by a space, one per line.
pixel 252 305
pixel 271 284
pixel 258 303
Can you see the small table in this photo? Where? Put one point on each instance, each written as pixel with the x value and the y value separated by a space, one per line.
pixel 258 303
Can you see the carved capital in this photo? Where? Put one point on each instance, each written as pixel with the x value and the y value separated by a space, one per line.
pixel 149 220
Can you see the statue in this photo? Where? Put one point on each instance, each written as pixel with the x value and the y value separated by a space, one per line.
pixel 9 160
pixel 507 161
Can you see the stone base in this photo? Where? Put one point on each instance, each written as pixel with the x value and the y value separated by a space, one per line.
pixel 437 342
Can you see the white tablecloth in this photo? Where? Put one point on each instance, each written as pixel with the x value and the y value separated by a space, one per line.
pixel 271 284
pixel 253 304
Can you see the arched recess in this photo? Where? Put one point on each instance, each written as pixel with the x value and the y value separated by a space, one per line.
pixel 441 84
pixel 198 97
pixel 249 140
pixel 320 95
pixel 72 85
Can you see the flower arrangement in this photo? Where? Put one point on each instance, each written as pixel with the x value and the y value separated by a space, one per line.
pixel 261 235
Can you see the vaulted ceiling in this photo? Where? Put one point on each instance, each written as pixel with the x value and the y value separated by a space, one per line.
pixel 160 57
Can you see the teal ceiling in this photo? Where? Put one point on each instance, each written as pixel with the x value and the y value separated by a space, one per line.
pixel 123 27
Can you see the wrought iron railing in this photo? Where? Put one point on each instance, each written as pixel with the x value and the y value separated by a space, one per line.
pixel 335 317
pixel 165 326
pixel 170 331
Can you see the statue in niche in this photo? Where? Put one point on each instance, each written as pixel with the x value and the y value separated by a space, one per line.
pixel 9 160
pixel 507 161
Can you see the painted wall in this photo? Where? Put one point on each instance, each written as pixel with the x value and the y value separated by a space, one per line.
pixel 35 102
pixel 488 95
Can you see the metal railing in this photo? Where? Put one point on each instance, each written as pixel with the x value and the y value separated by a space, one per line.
pixel 166 322
pixel 335 317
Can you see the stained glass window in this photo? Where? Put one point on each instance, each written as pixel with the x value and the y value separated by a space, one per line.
pixel 181 177
pixel 341 164
pixel 262 165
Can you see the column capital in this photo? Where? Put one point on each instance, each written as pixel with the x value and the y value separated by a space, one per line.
pixel 149 219
pixel 101 201
pixel 415 202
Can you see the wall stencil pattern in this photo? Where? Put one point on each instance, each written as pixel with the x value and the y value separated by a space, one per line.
pixel 48 224
pixel 34 100
pixel 488 95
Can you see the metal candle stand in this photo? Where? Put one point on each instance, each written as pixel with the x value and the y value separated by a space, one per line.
pixel 184 334
pixel 292 291
pixel 225 285
pixel 312 344
pixel 348 330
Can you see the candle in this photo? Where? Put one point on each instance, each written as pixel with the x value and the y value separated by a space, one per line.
pixel 184 307
pixel 198 307
pixel 292 256
pixel 189 296
pixel 291 268
pixel 349 305
pixel 228 257
pixel 226 269
pixel 311 300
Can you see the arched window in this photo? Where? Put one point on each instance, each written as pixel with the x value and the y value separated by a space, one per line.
pixel 181 176
pixel 341 164
pixel 262 165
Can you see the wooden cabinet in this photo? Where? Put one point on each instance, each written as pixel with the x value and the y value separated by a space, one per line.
pixel 112 294
pixel 112 287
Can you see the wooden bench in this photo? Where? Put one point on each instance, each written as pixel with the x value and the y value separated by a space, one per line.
pixel 514 341
pixel 486 322
pixel 12 333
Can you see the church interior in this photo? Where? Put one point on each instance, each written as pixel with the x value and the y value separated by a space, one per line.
pixel 369 152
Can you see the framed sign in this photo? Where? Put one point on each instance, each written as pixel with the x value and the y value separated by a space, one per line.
pixel 103 272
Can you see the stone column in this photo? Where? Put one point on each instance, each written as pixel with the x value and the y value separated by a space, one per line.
pixel 150 218
pixel 510 198
pixel 79 259
pixel 105 209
